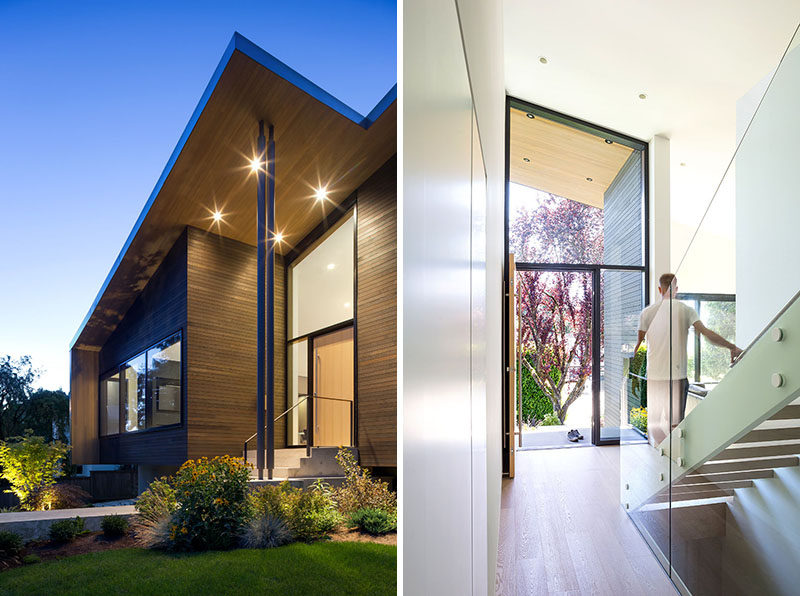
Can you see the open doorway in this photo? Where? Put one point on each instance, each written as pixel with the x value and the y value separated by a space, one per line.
pixel 576 278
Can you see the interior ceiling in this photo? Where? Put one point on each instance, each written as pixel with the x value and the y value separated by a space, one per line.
pixel 316 146
pixel 562 160
pixel 693 60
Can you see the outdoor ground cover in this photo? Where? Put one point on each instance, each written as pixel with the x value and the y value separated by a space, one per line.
pixel 319 568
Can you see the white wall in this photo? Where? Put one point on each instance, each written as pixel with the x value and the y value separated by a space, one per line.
pixel 451 246
pixel 659 211
pixel 767 205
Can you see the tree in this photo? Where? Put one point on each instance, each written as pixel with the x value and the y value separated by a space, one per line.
pixel 21 407
pixel 556 306
pixel 31 466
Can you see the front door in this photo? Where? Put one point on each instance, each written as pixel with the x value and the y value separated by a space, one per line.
pixel 333 377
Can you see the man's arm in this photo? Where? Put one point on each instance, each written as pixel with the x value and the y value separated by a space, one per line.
pixel 717 339
pixel 639 343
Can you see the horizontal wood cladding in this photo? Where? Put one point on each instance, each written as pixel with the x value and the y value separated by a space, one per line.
pixel 221 345
pixel 376 318
pixel 83 406
pixel 157 312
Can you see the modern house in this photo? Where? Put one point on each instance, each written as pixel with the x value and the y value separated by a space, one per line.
pixel 673 127
pixel 254 301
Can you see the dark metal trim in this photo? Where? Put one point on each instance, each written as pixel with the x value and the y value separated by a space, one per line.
pixel 700 297
pixel 354 405
pixel 568 267
pixel 505 361
pixel 261 232
pixel 271 242
pixel 323 331
pixel 596 430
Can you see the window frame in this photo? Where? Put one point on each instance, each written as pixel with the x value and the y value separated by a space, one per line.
pixel 119 368
pixel 698 298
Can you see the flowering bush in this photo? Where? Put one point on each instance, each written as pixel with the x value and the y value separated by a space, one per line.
pixel 213 504
pixel 638 419
pixel 31 466
pixel 310 514
pixel 359 489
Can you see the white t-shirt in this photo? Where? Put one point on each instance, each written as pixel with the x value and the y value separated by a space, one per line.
pixel 655 322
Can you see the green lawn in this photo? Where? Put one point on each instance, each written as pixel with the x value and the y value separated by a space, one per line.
pixel 318 568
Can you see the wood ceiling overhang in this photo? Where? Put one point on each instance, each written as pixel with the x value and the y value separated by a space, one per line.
pixel 562 158
pixel 320 142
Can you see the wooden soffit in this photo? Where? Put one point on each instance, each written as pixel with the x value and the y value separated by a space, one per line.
pixel 562 160
pixel 319 141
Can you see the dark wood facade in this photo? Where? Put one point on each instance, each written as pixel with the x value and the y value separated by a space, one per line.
pixel 376 324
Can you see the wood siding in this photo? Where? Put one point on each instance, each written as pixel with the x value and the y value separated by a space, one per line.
pixel 221 345
pixel 83 406
pixel 376 318
pixel 158 311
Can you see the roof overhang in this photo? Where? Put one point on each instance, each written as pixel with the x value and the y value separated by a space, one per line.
pixel 320 142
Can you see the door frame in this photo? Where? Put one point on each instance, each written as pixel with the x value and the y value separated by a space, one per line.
pixel 507 288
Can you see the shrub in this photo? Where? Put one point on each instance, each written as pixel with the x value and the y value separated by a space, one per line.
pixel 313 515
pixel 65 530
pixel 359 489
pixel 638 418
pixel 372 521
pixel 10 545
pixel 551 420
pixel 154 533
pixel 67 496
pixel 31 466
pixel 266 531
pixel 276 501
pixel 114 526
pixel 31 559
pixel 535 403
pixel 157 502
pixel 214 504
pixel 639 367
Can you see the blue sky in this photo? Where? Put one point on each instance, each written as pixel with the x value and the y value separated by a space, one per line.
pixel 93 99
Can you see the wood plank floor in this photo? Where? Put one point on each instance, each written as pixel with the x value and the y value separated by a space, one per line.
pixel 562 530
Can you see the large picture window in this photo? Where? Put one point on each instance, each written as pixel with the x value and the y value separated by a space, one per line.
pixel 145 392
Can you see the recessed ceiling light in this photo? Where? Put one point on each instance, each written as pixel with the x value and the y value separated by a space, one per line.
pixel 543 59
pixel 683 163
pixel 278 237
pixel 254 164
pixel 526 159
pixel 643 96
pixel 529 115
pixel 217 216
pixel 331 265
pixel 321 194
pixel 347 305
pixel 609 142
pixel 588 179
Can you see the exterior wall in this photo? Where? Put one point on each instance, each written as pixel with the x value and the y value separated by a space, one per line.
pixel 623 291
pixel 159 311
pixel 221 345
pixel 84 406
pixel 376 323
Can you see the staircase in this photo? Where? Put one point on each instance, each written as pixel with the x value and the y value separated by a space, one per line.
pixel 719 499
pixel 300 470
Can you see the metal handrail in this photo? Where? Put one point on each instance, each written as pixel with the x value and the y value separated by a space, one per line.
pixel 304 398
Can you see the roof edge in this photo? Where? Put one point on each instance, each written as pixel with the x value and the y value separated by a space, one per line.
pixel 268 61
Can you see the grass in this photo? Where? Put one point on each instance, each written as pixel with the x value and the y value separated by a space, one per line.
pixel 318 568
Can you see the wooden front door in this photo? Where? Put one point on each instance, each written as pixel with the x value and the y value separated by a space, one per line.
pixel 333 379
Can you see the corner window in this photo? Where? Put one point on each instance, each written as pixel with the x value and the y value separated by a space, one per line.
pixel 145 392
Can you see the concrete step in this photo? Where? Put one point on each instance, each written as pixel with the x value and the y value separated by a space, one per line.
pixel 296 482
pixel 293 463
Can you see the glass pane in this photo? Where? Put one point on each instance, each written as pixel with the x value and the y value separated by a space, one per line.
pixel 109 405
pixel 164 382
pixel 622 300
pixel 575 196
pixel 721 317
pixel 298 389
pixel 321 283
pixel 134 406
pixel 554 339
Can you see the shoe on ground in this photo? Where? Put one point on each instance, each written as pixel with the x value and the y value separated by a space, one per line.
pixel 573 436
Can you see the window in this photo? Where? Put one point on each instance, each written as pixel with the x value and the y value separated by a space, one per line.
pixel 708 363
pixel 321 283
pixel 109 405
pixel 145 392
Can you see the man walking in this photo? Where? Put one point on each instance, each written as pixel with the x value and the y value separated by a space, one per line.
pixel 666 325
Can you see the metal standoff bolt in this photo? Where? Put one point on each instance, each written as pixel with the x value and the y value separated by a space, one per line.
pixel 627 505
pixel 777 334
pixel 661 477
pixel 627 486
pixel 777 380
pixel 661 451
pixel 680 462
pixel 680 433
